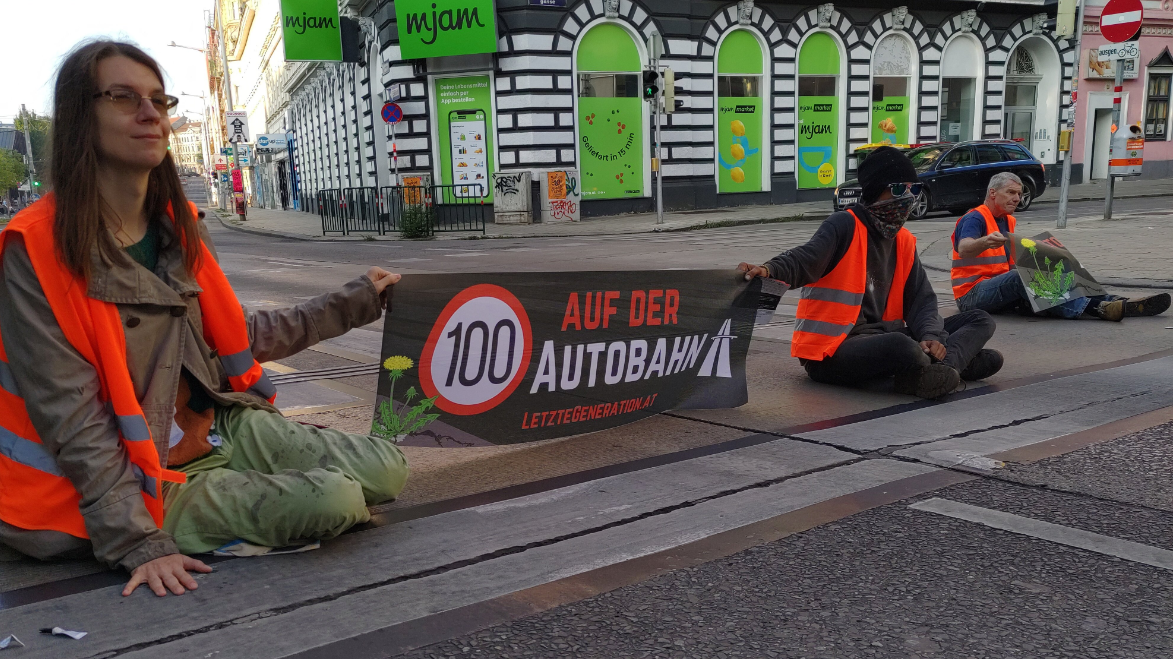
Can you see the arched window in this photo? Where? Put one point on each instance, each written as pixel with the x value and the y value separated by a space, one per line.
pixel 893 89
pixel 610 114
pixel 742 138
pixel 820 136
pixel 961 74
pixel 1030 104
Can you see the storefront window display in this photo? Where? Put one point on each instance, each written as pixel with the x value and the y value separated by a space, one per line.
pixel 819 134
pixel 610 114
pixel 960 71
pixel 740 110
pixel 464 121
pixel 892 65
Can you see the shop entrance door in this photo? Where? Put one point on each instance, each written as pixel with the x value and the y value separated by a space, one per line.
pixel 1101 140
pixel 1018 114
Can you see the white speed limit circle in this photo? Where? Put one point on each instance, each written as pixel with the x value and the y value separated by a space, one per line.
pixel 478 350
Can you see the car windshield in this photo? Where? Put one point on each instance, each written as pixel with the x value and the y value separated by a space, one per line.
pixel 924 157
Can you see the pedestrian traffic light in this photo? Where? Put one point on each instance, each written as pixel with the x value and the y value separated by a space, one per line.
pixel 651 84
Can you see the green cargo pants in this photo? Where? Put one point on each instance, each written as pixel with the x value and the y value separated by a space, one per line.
pixel 275 482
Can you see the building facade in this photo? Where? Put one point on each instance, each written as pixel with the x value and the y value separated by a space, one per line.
pixel 188 146
pixel 1144 101
pixel 775 97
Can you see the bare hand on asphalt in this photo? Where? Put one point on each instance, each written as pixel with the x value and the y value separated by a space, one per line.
pixel 166 573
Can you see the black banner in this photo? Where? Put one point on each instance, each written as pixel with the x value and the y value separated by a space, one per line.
pixel 476 359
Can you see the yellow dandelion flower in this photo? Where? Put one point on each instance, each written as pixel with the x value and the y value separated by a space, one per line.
pixel 398 363
pixel 1028 243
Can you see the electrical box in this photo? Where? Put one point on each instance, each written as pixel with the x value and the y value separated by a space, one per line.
pixel 1065 140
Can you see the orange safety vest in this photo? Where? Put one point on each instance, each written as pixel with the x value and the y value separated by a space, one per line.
pixel 34 493
pixel 966 273
pixel 829 308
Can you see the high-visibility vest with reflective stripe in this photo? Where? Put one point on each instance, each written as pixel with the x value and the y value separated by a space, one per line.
pixel 967 272
pixel 829 308
pixel 34 493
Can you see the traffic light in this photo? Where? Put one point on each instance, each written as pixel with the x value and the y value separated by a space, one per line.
pixel 670 102
pixel 651 84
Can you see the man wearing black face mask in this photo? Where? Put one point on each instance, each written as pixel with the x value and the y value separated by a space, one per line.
pixel 867 309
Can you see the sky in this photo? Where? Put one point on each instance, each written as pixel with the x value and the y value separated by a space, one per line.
pixel 38 35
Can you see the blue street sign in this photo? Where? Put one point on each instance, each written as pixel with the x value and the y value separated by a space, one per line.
pixel 392 113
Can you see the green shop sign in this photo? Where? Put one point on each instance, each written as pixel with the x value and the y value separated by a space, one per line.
pixel 818 112
pixel 437 28
pixel 311 30
pixel 464 121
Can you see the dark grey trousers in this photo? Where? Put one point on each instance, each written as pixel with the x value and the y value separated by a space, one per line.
pixel 864 357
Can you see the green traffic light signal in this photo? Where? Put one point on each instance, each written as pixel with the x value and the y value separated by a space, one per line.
pixel 651 84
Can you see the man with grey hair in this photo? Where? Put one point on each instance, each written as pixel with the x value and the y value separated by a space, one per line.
pixel 982 275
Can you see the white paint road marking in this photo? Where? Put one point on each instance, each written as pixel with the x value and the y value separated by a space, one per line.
pixel 1063 535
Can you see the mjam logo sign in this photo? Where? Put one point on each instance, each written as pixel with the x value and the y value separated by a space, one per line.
pixel 436 28
pixel 311 30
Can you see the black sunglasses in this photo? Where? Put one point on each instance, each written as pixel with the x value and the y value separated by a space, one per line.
pixel 898 189
pixel 129 101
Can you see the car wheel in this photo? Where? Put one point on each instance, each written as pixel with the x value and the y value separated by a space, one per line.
pixel 922 205
pixel 1028 196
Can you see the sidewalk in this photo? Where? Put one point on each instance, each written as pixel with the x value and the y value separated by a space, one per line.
pixel 306 226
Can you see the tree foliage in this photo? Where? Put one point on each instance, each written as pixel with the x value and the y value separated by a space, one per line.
pixel 12 170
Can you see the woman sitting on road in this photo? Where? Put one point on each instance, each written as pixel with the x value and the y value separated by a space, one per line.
pixel 136 423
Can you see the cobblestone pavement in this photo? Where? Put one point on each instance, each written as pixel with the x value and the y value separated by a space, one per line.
pixel 897 582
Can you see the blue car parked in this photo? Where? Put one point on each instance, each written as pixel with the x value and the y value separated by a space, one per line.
pixel 955 175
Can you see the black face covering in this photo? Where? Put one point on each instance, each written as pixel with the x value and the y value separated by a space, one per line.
pixel 889 216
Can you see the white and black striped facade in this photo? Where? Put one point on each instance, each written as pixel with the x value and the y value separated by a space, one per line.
pixel 333 111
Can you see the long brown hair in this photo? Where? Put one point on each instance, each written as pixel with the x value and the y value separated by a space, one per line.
pixel 74 161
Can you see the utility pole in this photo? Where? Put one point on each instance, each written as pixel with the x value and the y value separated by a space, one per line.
pixel 1065 186
pixel 28 146
pixel 228 98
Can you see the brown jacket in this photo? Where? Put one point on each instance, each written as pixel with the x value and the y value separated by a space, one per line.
pixel 162 321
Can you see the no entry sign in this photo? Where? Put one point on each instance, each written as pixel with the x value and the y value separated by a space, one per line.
pixel 392 113
pixel 1120 20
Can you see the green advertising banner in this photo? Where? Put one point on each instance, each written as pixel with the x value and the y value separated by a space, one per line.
pixel 611 147
pixel 610 115
pixel 739 142
pixel 436 28
pixel 818 113
pixel 890 109
pixel 890 120
pixel 464 125
pixel 739 114
pixel 311 31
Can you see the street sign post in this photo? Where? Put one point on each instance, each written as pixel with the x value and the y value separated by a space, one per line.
pixel 1118 51
pixel 393 114
pixel 237 121
pixel 1119 22
pixel 1121 19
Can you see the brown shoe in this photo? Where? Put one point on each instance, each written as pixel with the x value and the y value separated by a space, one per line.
pixel 1113 311
pixel 1152 305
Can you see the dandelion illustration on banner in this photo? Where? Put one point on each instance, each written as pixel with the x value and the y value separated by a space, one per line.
pixel 1050 272
pixel 739 152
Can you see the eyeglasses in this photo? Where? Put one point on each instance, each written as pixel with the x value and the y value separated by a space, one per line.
pixel 129 101
pixel 898 189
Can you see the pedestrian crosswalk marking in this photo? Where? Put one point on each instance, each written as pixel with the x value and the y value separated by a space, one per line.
pixel 1063 535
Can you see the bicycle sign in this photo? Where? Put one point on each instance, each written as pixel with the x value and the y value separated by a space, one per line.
pixel 1118 51
pixel 478 350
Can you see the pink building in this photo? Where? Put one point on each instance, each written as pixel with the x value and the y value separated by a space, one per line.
pixel 1145 99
